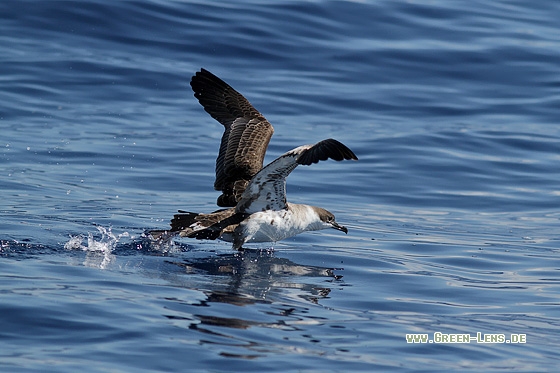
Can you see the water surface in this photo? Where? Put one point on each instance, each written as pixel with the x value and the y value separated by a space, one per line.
pixel 452 109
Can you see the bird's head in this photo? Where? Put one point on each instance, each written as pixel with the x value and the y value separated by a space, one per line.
pixel 328 220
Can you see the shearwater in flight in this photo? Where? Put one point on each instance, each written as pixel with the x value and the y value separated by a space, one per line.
pixel 253 197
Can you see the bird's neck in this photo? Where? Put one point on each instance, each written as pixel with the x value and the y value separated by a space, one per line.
pixel 307 217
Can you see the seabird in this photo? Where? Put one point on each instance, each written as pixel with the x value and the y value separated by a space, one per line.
pixel 253 197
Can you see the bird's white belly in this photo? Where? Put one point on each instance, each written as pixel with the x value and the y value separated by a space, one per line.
pixel 270 226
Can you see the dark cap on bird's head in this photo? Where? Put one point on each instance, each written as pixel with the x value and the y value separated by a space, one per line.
pixel 328 217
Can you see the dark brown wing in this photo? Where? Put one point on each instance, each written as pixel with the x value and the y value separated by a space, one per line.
pixel 245 139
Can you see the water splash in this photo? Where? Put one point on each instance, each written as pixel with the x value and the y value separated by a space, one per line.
pixel 99 252
pixel 165 245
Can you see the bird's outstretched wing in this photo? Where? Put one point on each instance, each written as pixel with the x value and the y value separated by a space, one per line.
pixel 267 189
pixel 245 139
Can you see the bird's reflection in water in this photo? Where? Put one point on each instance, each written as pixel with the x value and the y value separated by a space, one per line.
pixel 250 275
pixel 257 277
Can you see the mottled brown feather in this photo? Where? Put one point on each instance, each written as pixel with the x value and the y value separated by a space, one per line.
pixel 245 139
pixel 214 231
pixel 183 221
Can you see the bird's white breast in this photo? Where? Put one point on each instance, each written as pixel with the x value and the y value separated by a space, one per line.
pixel 272 226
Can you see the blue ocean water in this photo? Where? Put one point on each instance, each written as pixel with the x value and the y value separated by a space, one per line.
pixel 452 209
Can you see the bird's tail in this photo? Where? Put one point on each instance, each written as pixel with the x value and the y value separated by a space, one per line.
pixel 179 222
pixel 183 220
